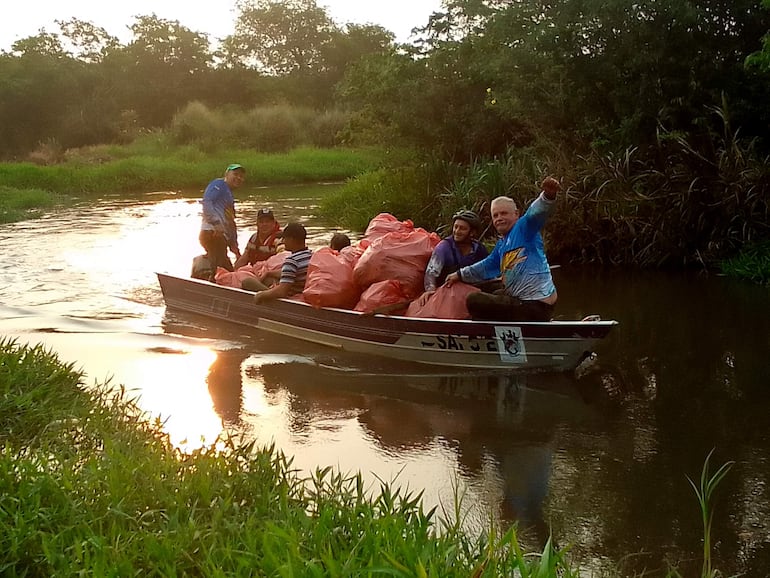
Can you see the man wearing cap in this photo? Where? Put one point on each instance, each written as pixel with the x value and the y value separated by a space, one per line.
pixel 218 230
pixel 264 243
pixel 294 270
pixel 519 258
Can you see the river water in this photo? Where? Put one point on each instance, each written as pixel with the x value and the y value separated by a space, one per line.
pixel 600 462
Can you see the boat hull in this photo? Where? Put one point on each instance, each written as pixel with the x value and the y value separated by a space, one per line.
pixel 528 346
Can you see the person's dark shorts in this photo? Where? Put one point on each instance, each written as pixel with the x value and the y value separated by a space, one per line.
pixel 501 307
pixel 216 249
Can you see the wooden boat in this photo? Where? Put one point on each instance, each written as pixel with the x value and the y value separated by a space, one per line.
pixel 527 346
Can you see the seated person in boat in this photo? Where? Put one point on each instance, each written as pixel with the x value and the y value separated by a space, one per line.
pixel 264 243
pixel 294 271
pixel 339 241
pixel 519 258
pixel 457 250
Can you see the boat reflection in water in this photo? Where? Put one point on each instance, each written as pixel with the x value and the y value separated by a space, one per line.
pixel 489 436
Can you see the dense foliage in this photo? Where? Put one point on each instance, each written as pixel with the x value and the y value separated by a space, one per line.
pixel 654 113
pixel 81 86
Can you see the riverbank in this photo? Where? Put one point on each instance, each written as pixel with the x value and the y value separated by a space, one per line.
pixel 87 484
pixel 151 164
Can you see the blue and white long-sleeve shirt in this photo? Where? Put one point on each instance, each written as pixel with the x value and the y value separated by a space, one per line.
pixel 519 257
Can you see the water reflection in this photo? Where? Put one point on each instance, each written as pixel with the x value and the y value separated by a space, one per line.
pixel 225 385
pixel 497 431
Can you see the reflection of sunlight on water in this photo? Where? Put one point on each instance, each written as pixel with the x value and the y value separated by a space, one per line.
pixel 142 240
pixel 386 440
pixel 178 395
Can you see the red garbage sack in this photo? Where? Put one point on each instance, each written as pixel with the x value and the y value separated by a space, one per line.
pixel 233 278
pixel 353 253
pixel 388 292
pixel 330 280
pixel 272 265
pixel 258 269
pixel 386 223
pixel 401 256
pixel 445 303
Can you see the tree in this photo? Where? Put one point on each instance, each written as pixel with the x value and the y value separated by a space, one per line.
pixel 601 71
pixel 90 42
pixel 157 73
pixel 42 44
pixel 280 37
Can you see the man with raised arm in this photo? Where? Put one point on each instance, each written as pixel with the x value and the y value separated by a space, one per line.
pixel 519 259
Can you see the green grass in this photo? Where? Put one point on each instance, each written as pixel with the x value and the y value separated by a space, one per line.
pixel 751 264
pixel 151 164
pixel 89 486
pixel 19 204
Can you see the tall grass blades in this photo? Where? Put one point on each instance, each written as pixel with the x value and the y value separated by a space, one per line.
pixel 680 203
pixel 401 192
pixel 704 490
pixel 20 204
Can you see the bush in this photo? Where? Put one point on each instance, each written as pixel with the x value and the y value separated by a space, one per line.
pixel 752 264
pixel 274 128
pixel 401 192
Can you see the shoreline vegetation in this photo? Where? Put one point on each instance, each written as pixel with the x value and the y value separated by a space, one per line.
pixel 88 483
pixel 662 142
pixel 600 221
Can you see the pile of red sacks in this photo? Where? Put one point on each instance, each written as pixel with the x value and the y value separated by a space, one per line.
pixel 385 270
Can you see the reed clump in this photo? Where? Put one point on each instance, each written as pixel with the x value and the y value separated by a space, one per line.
pixel 26 203
pixel 88 485
pixel 675 203
pixel 752 264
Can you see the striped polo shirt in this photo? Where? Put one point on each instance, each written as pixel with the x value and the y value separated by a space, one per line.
pixel 294 270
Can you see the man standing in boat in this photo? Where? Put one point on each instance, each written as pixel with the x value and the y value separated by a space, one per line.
pixel 294 270
pixel 218 230
pixel 519 258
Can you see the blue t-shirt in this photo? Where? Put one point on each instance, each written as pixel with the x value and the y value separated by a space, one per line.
pixel 219 212
pixel 447 258
pixel 519 257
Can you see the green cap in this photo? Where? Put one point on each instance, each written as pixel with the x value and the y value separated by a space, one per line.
pixel 235 167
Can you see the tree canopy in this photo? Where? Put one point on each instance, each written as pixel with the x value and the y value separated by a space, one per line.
pixel 484 76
